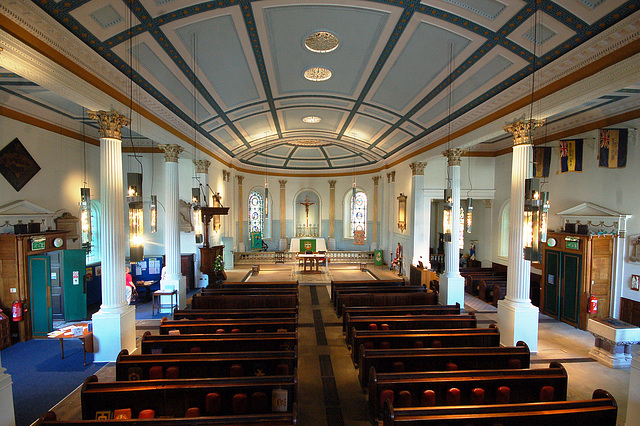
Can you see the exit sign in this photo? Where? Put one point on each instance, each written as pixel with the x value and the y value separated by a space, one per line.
pixel 38 243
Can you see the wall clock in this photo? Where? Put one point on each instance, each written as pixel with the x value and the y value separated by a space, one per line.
pixel 551 242
pixel 58 242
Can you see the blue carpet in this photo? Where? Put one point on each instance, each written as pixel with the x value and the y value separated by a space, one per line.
pixel 41 378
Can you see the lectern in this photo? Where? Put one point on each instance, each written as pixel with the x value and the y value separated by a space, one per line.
pixel 208 254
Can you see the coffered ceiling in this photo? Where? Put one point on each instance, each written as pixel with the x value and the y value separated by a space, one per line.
pixel 230 74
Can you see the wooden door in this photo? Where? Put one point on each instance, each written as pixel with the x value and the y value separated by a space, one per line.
pixel 552 280
pixel 601 273
pixel 57 287
pixel 40 289
pixel 571 272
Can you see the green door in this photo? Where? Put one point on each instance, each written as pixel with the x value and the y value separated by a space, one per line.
pixel 570 292
pixel 40 289
pixel 551 282
pixel 75 295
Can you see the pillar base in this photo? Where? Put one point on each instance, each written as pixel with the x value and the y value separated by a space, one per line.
pixel 451 290
pixel 180 284
pixel 7 414
pixel 282 244
pixel 113 330
pixel 633 401
pixel 518 321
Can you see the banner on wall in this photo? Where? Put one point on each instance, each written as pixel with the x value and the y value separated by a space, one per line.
pixel 256 241
pixel 571 155
pixel 613 148
pixel 308 245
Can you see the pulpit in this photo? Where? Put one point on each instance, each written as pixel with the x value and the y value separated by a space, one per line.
pixel 209 254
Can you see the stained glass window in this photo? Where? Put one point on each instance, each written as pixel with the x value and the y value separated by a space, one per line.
pixel 359 213
pixel 256 212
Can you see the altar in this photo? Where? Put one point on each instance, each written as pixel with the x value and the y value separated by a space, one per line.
pixel 298 244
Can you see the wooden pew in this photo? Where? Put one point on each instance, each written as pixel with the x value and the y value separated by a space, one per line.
pixel 358 311
pixel 257 284
pixel 602 410
pixel 409 322
pixel 472 279
pixel 485 286
pixel 242 325
pixel 235 342
pixel 524 386
pixel 404 339
pixel 173 398
pixel 441 359
pixel 199 301
pixel 274 419
pixel 364 283
pixel 340 292
pixel 179 314
pixel 388 299
pixel 248 290
pixel 205 365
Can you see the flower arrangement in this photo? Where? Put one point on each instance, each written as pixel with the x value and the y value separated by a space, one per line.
pixel 218 264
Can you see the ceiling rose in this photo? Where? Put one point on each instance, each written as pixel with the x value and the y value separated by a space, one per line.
pixel 317 74
pixel 312 119
pixel 321 42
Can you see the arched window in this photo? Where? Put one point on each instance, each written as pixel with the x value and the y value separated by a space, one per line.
pixel 256 212
pixel 95 255
pixel 504 229
pixel 355 217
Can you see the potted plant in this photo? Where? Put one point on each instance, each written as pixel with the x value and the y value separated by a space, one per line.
pixel 218 271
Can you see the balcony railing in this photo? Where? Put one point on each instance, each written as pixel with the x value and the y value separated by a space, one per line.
pixel 251 257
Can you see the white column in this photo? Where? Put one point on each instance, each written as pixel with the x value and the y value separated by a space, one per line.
pixel 173 278
pixel 114 325
pixel 451 282
pixel 282 243
pixel 419 229
pixel 392 205
pixel 332 214
pixel 517 317
pixel 374 230
pixel 485 245
pixel 7 414
pixel 384 219
pixel 240 203
pixel 426 212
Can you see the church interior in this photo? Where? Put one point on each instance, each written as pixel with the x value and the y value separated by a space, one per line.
pixel 481 152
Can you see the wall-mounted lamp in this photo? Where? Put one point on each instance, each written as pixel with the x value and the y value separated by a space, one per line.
pixel 153 209
pixel 469 215
pixel 85 218
pixel 447 216
pixel 196 198
pixel 266 198
pixel 531 231
pixel 136 228
pixel 544 215
pixel 402 212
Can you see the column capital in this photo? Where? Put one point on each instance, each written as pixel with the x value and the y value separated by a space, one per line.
pixel 417 169
pixel 391 177
pixel 202 166
pixel 522 130
pixel 375 179
pixel 453 155
pixel 110 122
pixel 488 203
pixel 332 184
pixel 282 183
pixel 171 152
pixel 240 179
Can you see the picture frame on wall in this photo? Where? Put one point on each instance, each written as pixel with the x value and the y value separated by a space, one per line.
pixel 635 282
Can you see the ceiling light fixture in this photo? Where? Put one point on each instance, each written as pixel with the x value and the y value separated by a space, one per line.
pixel 312 119
pixel 317 74
pixel 322 42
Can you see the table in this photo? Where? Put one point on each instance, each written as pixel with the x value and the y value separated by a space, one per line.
pixel 145 289
pixel 311 258
pixel 613 342
pixel 294 245
pixel 85 334
pixel 157 300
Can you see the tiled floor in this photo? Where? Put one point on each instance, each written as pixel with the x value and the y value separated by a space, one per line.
pixel 328 389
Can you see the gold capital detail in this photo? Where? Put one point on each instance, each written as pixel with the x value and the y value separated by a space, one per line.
pixel 522 130
pixel 171 152
pixel 393 176
pixel 202 166
pixel 417 169
pixel 453 155
pixel 240 179
pixel 110 122
pixel 376 179
pixel 332 184
pixel 282 183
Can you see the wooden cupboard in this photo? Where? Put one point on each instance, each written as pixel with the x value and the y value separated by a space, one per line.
pixel 575 267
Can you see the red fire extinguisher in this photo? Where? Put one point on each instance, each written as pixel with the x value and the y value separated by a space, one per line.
pixel 592 305
pixel 16 310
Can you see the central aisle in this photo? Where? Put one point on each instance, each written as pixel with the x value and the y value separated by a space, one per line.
pixel 328 389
